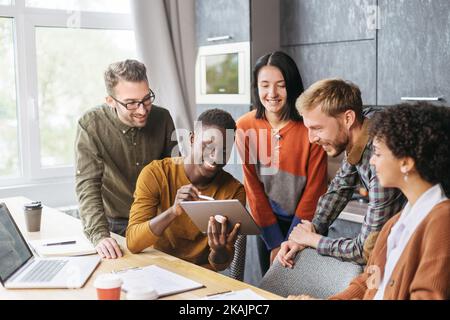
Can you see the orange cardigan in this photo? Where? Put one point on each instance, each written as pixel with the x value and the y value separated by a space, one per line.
pixel 423 270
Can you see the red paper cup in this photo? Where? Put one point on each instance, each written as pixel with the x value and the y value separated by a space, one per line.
pixel 108 287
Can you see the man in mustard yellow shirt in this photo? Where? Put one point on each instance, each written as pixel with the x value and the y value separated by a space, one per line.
pixel 157 220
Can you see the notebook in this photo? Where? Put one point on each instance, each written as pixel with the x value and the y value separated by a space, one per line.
pixel 163 281
pixel 81 247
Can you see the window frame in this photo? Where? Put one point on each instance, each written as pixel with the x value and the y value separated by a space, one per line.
pixel 25 20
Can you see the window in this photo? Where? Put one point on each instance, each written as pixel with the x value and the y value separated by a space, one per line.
pixel 9 161
pixel 222 74
pixel 116 6
pixel 52 57
pixel 70 81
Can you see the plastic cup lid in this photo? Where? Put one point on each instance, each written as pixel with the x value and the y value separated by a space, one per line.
pixel 33 205
pixel 141 293
pixel 108 281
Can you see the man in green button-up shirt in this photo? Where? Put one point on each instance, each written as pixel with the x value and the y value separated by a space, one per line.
pixel 114 142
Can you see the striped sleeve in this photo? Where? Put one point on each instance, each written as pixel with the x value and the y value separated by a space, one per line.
pixel 383 204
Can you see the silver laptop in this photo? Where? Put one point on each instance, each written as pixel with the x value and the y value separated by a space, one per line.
pixel 19 268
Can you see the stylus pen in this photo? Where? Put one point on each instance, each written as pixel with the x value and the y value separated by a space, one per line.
pixel 205 197
pixel 59 243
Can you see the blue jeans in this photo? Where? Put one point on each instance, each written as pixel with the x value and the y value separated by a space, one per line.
pixel 264 254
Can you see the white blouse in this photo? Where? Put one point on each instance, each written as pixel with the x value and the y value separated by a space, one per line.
pixel 402 231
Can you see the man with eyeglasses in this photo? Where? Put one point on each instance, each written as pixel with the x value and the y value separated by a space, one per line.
pixel 114 143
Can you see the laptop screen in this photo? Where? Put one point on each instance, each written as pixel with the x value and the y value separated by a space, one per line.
pixel 14 251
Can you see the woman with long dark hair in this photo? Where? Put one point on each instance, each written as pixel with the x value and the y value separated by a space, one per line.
pixel 284 174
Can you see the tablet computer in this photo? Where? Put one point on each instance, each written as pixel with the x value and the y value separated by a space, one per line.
pixel 201 211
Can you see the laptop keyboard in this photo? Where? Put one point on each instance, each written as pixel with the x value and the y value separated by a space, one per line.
pixel 44 270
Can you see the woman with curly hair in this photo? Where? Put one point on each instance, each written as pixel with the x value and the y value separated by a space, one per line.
pixel 411 257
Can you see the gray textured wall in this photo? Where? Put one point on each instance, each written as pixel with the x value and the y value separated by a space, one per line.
pixel 319 21
pixel 339 60
pixel 413 49
pixel 332 39
pixel 216 18
pixel 408 55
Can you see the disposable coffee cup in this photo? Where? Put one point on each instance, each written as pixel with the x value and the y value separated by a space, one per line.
pixel 33 213
pixel 141 293
pixel 108 286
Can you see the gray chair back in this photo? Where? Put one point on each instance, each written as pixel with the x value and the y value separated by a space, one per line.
pixel 315 275
pixel 237 266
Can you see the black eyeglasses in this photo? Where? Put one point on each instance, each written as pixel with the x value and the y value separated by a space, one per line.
pixel 133 105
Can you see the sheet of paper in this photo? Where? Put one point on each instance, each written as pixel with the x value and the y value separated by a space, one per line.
pixel 246 294
pixel 81 247
pixel 163 281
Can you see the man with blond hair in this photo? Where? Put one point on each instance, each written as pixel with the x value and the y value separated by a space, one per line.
pixel 114 142
pixel 332 111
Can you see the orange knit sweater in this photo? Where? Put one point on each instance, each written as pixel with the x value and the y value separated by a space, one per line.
pixel 423 270
pixel 284 174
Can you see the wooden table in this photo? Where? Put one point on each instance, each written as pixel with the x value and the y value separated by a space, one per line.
pixel 57 224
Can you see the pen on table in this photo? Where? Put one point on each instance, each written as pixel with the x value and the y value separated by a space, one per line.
pixel 59 243
pixel 126 269
pixel 218 293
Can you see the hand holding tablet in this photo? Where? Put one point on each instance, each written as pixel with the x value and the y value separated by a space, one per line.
pixel 221 235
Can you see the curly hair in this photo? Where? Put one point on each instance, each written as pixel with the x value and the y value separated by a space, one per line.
pixel 420 131
pixel 218 118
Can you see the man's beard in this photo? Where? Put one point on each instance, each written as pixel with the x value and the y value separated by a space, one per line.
pixel 339 145
pixel 339 148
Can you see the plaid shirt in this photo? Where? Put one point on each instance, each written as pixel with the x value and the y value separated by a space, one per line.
pixel 383 202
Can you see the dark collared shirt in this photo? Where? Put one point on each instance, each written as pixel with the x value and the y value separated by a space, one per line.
pixel 109 157
pixel 383 202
